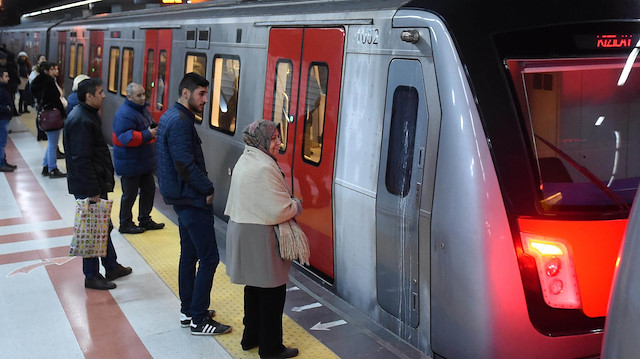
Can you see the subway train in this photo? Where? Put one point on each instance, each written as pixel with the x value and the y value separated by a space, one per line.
pixel 467 168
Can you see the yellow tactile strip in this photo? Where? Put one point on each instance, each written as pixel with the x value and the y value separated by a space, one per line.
pixel 161 249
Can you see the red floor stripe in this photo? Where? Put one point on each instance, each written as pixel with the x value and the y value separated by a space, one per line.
pixel 101 328
pixel 33 255
pixel 33 202
pixel 39 234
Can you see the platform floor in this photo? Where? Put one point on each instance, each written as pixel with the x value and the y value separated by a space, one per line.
pixel 45 311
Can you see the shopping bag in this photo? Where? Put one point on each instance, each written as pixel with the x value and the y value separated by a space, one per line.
pixel 91 228
pixel 292 241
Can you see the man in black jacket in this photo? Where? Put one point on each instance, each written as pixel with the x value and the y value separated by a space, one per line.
pixel 90 173
pixel 6 111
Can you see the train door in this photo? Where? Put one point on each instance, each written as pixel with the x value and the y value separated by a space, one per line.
pixel 157 59
pixel 62 51
pixel 96 42
pixel 304 71
pixel 399 190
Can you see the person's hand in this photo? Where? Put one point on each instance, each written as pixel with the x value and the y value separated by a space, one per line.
pixel 209 199
pixel 153 131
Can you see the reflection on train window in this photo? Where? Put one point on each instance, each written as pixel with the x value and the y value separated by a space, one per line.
pixel 114 60
pixel 149 80
pixel 314 112
pixel 96 61
pixel 72 61
pixel 282 99
pixel 62 50
pixel 196 63
pixel 162 71
pixel 224 97
pixel 582 120
pixel 404 114
pixel 127 70
pixel 80 59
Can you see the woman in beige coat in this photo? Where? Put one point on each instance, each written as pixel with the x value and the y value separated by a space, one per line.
pixel 259 199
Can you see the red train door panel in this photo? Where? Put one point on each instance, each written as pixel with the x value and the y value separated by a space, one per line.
pixel 96 42
pixel 308 63
pixel 157 59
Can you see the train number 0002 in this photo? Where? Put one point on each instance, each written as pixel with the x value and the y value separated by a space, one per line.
pixel 367 36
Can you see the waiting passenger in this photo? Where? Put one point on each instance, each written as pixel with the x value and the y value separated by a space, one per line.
pixel 259 198
pixel 35 71
pixel 46 90
pixel 183 182
pixel 24 66
pixel 72 99
pixel 91 174
pixel 7 107
pixel 134 157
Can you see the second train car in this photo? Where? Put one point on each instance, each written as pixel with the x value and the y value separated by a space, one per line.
pixel 466 167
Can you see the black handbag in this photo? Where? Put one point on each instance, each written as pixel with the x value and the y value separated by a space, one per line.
pixel 50 120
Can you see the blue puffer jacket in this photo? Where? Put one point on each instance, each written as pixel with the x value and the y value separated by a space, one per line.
pixel 134 150
pixel 182 176
pixel 72 101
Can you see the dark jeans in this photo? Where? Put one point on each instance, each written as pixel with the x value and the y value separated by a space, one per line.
pixel 90 266
pixel 263 309
pixel 130 185
pixel 197 243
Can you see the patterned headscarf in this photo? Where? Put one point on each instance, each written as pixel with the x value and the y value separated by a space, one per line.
pixel 258 134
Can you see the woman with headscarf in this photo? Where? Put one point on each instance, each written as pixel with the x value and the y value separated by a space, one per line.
pixel 260 199
pixel 46 90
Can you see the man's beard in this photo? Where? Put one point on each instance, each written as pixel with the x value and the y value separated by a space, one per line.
pixel 193 106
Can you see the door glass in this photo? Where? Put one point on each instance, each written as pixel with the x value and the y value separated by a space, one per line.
pixel 80 59
pixel 61 52
pixel 162 71
pixel 96 61
pixel 314 112
pixel 127 70
pixel 114 59
pixel 404 114
pixel 282 99
pixel 196 63
pixel 149 80
pixel 224 97
pixel 72 61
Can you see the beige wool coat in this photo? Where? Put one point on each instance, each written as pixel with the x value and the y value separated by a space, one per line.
pixel 259 199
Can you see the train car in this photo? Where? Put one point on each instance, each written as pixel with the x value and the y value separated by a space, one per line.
pixel 466 168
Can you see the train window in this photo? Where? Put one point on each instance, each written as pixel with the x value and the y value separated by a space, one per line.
pixel 404 114
pixel 581 119
pixel 162 72
pixel 224 97
pixel 114 60
pixel 315 105
pixel 72 61
pixel 80 59
pixel 282 99
pixel 149 80
pixel 196 63
pixel 96 61
pixel 127 70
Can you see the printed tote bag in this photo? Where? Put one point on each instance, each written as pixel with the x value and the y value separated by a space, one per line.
pixel 91 228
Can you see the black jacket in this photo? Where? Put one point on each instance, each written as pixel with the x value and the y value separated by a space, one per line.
pixel 46 92
pixel 89 165
pixel 6 103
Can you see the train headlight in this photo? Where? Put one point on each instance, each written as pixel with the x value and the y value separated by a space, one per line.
pixel 555 270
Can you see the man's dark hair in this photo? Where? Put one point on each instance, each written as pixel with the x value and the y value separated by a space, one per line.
pixel 192 81
pixel 45 66
pixel 88 86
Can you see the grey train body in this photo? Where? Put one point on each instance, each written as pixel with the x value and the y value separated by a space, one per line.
pixel 424 267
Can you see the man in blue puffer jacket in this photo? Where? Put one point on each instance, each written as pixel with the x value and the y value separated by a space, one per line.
pixel 183 182
pixel 134 155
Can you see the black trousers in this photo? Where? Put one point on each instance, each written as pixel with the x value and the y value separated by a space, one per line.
pixel 130 186
pixel 263 308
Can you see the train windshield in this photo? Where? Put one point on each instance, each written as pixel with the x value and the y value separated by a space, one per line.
pixel 583 122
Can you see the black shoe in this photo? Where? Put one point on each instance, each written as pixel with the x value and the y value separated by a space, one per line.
pixel 98 282
pixel 151 225
pixel 131 228
pixel 185 320
pixel 10 165
pixel 42 137
pixel 209 327
pixel 45 171
pixel 118 271
pixel 6 168
pixel 286 353
pixel 55 173
pixel 59 154
pixel 248 346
